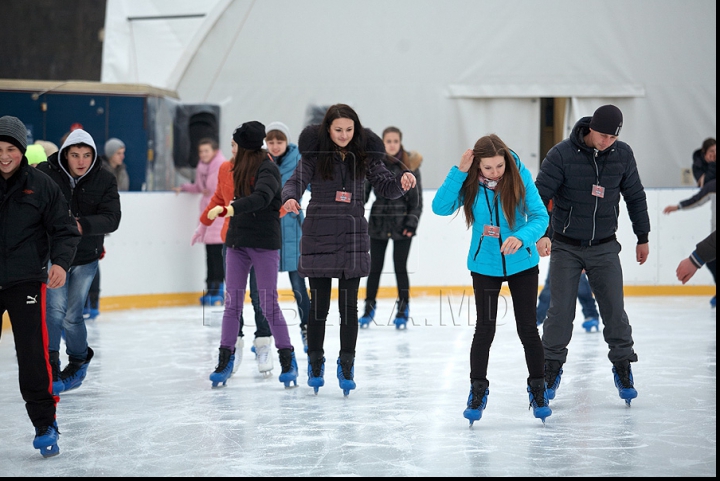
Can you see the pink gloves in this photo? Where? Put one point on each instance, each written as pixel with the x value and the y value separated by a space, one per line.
pixel 199 234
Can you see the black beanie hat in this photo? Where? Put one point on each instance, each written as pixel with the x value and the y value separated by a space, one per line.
pixel 250 135
pixel 607 120
pixel 12 130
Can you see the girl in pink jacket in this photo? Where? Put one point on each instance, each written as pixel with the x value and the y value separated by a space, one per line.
pixel 206 178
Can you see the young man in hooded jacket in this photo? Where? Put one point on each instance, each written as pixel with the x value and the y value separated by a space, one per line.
pixel 92 194
pixel 585 175
pixel 35 227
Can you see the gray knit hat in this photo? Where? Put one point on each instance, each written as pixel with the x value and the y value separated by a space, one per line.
pixel 279 126
pixel 112 146
pixel 12 130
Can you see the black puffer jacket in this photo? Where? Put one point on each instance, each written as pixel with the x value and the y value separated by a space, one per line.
pixel 390 217
pixel 567 176
pixel 256 220
pixel 35 227
pixel 94 201
pixel 335 240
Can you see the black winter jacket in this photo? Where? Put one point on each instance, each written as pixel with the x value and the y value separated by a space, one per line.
pixel 94 202
pixel 335 241
pixel 35 227
pixel 567 176
pixel 390 217
pixel 256 219
pixel 702 167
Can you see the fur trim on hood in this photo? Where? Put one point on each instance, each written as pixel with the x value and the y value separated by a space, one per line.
pixel 309 141
pixel 412 160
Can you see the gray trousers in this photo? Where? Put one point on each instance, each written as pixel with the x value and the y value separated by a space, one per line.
pixel 602 265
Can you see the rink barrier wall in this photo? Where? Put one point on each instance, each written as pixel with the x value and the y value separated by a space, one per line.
pixel 150 263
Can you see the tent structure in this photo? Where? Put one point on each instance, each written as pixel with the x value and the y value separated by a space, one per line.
pixel 445 73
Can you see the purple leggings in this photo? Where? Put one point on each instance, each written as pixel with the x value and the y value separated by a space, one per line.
pixel 238 264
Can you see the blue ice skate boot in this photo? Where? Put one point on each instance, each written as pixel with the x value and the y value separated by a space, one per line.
pixel 553 373
pixel 74 373
pixel 46 439
pixel 224 368
pixel 368 315
pixel 624 381
pixel 401 318
pixel 316 370
pixel 590 324
pixel 712 302
pixel 477 400
pixel 538 398
pixel 217 294
pixel 289 367
pixel 346 372
pixel 57 385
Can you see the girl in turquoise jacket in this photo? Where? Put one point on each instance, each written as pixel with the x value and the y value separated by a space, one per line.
pixel 503 208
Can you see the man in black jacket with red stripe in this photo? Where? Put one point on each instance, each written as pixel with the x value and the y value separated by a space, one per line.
pixel 35 226
pixel 585 176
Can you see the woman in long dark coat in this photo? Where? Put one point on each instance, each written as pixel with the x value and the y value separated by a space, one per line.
pixel 337 156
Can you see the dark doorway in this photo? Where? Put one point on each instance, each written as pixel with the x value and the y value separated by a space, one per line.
pixel 552 121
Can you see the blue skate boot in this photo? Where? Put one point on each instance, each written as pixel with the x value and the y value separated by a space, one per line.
pixel 46 439
pixel 217 294
pixel 713 302
pixel 369 314
pixel 477 401
pixel 553 373
pixel 57 385
pixel 289 367
pixel 538 398
pixel 224 369
pixel 624 381
pixel 316 370
pixel 403 312
pixel 590 324
pixel 74 373
pixel 346 372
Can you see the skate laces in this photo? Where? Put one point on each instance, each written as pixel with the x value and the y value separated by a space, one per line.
pixel 70 371
pixel 538 394
pixel 624 376
pixel 45 430
pixel 552 372
pixel 263 352
pixel 346 367
pixel 223 361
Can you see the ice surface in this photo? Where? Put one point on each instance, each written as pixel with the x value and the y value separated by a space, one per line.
pixel 147 408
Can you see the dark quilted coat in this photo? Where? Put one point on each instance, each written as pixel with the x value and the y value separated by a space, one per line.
pixel 335 241
pixel 567 176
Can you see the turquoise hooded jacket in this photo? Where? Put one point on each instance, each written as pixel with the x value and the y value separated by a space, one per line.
pixel 531 221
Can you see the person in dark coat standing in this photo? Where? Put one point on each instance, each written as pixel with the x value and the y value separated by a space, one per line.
pixel 704 166
pixel 92 194
pixel 337 156
pixel 36 227
pixel 585 175
pixel 396 220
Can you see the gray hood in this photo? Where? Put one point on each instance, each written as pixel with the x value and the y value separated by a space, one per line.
pixel 78 136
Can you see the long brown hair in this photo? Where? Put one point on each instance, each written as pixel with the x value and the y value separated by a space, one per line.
pixel 245 166
pixel 510 188
pixel 328 148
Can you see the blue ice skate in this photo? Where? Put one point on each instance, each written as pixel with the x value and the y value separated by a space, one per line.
pixel 57 386
pixel 74 373
pixel 316 370
pixel 477 400
pixel 401 319
pixel 346 372
pixel 224 369
pixel 713 302
pixel 46 439
pixel 289 367
pixel 539 399
pixel 624 381
pixel 553 373
pixel 590 324
pixel 368 316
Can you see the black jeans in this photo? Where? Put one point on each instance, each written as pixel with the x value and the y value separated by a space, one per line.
pixel 320 291
pixel 215 265
pixel 523 290
pixel 401 251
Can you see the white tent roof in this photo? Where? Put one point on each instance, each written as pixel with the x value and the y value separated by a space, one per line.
pixel 445 73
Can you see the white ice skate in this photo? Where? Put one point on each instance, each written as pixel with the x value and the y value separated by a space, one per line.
pixel 263 348
pixel 238 354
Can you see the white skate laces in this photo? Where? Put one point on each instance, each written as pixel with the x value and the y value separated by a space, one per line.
pixel 263 353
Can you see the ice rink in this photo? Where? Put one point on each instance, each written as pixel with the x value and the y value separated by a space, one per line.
pixel 147 407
